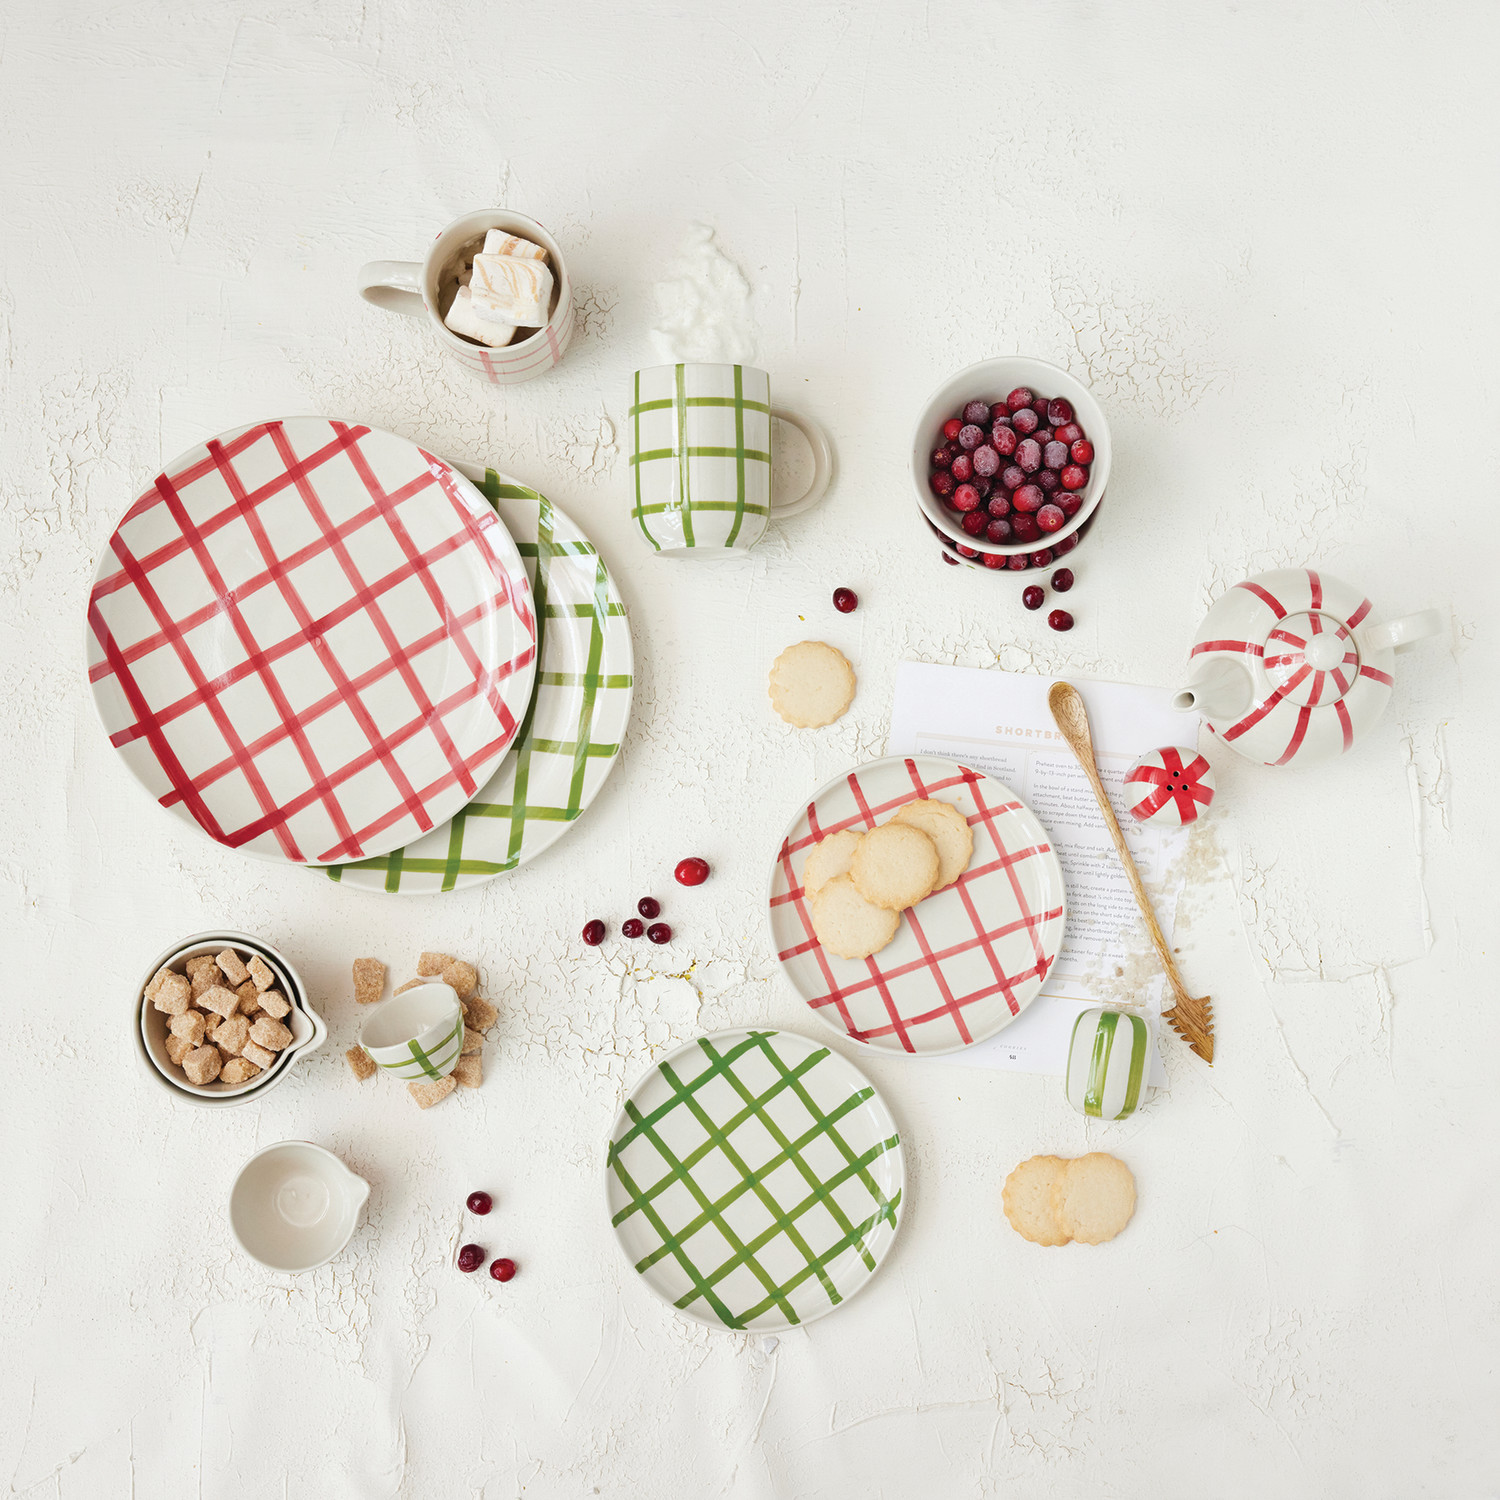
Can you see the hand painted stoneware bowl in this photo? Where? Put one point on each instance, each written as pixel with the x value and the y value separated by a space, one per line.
pixel 294 1206
pixel 417 1034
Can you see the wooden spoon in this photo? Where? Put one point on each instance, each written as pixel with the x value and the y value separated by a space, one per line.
pixel 1191 1018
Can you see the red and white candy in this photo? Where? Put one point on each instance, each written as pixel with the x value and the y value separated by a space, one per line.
pixel 1171 785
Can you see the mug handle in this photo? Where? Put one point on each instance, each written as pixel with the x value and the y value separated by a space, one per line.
pixel 1395 634
pixel 395 285
pixel 822 452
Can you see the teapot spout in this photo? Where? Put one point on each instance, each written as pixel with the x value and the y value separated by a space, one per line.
pixel 1219 687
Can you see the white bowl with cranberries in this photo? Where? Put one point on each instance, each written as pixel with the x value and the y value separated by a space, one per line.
pixel 1026 477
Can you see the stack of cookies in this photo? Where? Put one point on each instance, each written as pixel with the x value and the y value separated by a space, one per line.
pixel 1051 1200
pixel 858 884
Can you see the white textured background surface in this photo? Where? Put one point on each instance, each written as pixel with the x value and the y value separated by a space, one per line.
pixel 1265 234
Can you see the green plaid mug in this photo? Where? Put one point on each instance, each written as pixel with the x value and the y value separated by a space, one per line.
pixel 700 458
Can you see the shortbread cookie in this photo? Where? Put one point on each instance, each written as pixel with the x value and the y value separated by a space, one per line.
pixel 830 856
pixel 1027 1198
pixel 895 866
pixel 811 684
pixel 1093 1198
pixel 848 925
pixel 949 831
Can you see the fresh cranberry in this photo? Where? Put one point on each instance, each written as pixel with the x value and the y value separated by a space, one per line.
pixel 965 497
pixel 502 1269
pixel 1043 435
pixel 1020 398
pixel 846 601
pixel 983 485
pixel 649 907
pixel 1082 451
pixel 1071 503
pixel 1029 456
pixel 962 467
pixel 974 522
pixel 1062 580
pixel 593 932
pixel 1060 619
pixel 977 411
pixel 986 461
pixel 1074 476
pixel 965 551
pixel 950 559
pixel 1004 439
pixel 942 483
pixel 692 871
pixel 1039 405
pixel 470 1257
pixel 1026 421
pixel 1000 413
pixel 1069 432
pixel 1012 476
pixel 970 436
pixel 659 932
pixel 951 428
pixel 1028 498
pixel 998 530
pixel 1051 518
pixel 1032 596
pixel 1047 480
pixel 998 505
pixel 1067 544
pixel 1059 410
pixel 1042 558
pixel 1024 527
pixel 632 927
pixel 1018 563
pixel 1055 454
pixel 479 1203
pixel 941 457
pixel 994 560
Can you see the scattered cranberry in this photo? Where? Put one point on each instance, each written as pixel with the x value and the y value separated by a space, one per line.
pixel 1026 421
pixel 994 560
pixel 942 483
pixel 951 429
pixel 1012 476
pixel 942 457
pixel 977 412
pixel 1048 480
pixel 1069 432
pixel 632 927
pixel 659 932
pixel 1020 398
pixel 1055 454
pixel 1082 451
pixel 948 558
pixel 1051 518
pixel 962 467
pixel 999 505
pixel 966 497
pixel 1067 544
pixel 1062 580
pixel 471 1257
pixel 1060 619
pixel 1059 411
pixel 691 872
pixel 970 436
pixel 1041 559
pixel 975 522
pixel 593 932
pixel 649 907
pixel 1074 477
pixel 1032 596
pixel 1017 563
pixel 1029 456
pixel 502 1270
pixel 846 601
pixel 1003 439
pixel 998 530
pixel 479 1203
pixel 1024 527
pixel 1027 499
pixel 986 461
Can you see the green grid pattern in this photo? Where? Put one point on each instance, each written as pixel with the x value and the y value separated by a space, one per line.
pixel 513 818
pixel 821 1269
pixel 431 1064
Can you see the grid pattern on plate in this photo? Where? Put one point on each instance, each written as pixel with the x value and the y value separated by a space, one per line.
pixel 965 961
pixel 751 1187
pixel 571 734
pixel 315 700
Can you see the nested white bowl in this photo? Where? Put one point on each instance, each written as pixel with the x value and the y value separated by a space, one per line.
pixel 150 1024
pixel 992 380
pixel 294 1206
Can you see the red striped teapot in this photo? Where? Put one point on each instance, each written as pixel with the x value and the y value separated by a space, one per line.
pixel 1288 666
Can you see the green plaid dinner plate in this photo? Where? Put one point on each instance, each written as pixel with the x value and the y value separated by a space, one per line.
pixel 571 735
pixel 754 1179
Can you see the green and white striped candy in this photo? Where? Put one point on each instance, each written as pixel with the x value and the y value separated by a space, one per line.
pixel 1107 1062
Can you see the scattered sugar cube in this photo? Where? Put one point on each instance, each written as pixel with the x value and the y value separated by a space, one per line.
pixel 362 1064
pixel 469 1071
pixel 258 971
pixel 480 1014
pixel 219 1000
pixel 463 319
pixel 410 984
pixel 202 1065
pixel 430 1091
pixel 230 1036
pixel 238 1070
pixel 463 977
pixel 178 1048
pixel 189 1024
pixel 260 1056
pixel 249 998
pixel 206 977
pixel 369 980
pixel 274 1004
pixel 472 1041
pixel 499 242
pixel 173 995
pixel 271 1034
pixel 232 967
pixel 430 965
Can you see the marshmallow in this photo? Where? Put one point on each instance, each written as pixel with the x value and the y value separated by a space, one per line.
pixel 498 242
pixel 462 319
pixel 511 290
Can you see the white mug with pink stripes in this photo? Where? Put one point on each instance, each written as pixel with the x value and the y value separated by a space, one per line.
pixel 426 289
pixel 1289 667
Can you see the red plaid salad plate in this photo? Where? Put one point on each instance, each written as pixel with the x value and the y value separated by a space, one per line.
pixel 966 961
pixel 311 639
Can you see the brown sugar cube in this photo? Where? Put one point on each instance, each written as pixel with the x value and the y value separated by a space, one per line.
pixel 430 965
pixel 260 1056
pixel 271 1034
pixel 238 1070
pixel 202 1065
pixel 249 998
pixel 369 980
pixel 362 1064
pixel 230 1036
pixel 206 977
pixel 472 1042
pixel 232 966
pixel 480 1014
pixel 410 984
pixel 156 980
pixel 173 995
pixel 463 977
pixel 219 1000
pixel 432 1091
pixel 469 1071
pixel 178 1048
pixel 274 1004
pixel 192 966
pixel 189 1024
pixel 258 971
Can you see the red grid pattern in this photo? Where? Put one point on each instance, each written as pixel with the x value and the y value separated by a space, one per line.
pixel 1006 909
pixel 484 634
pixel 511 366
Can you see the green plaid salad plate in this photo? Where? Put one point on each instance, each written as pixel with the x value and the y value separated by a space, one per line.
pixel 754 1179
pixel 570 738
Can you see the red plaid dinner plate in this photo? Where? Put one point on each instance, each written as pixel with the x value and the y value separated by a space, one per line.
pixel 311 639
pixel 965 962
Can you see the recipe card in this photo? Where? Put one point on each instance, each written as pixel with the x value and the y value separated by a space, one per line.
pixel 999 723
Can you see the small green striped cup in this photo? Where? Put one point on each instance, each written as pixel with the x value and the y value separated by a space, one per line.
pixel 700 458
pixel 418 1033
pixel 1108 1059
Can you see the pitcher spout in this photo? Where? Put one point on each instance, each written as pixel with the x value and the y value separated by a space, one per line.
pixel 1218 687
